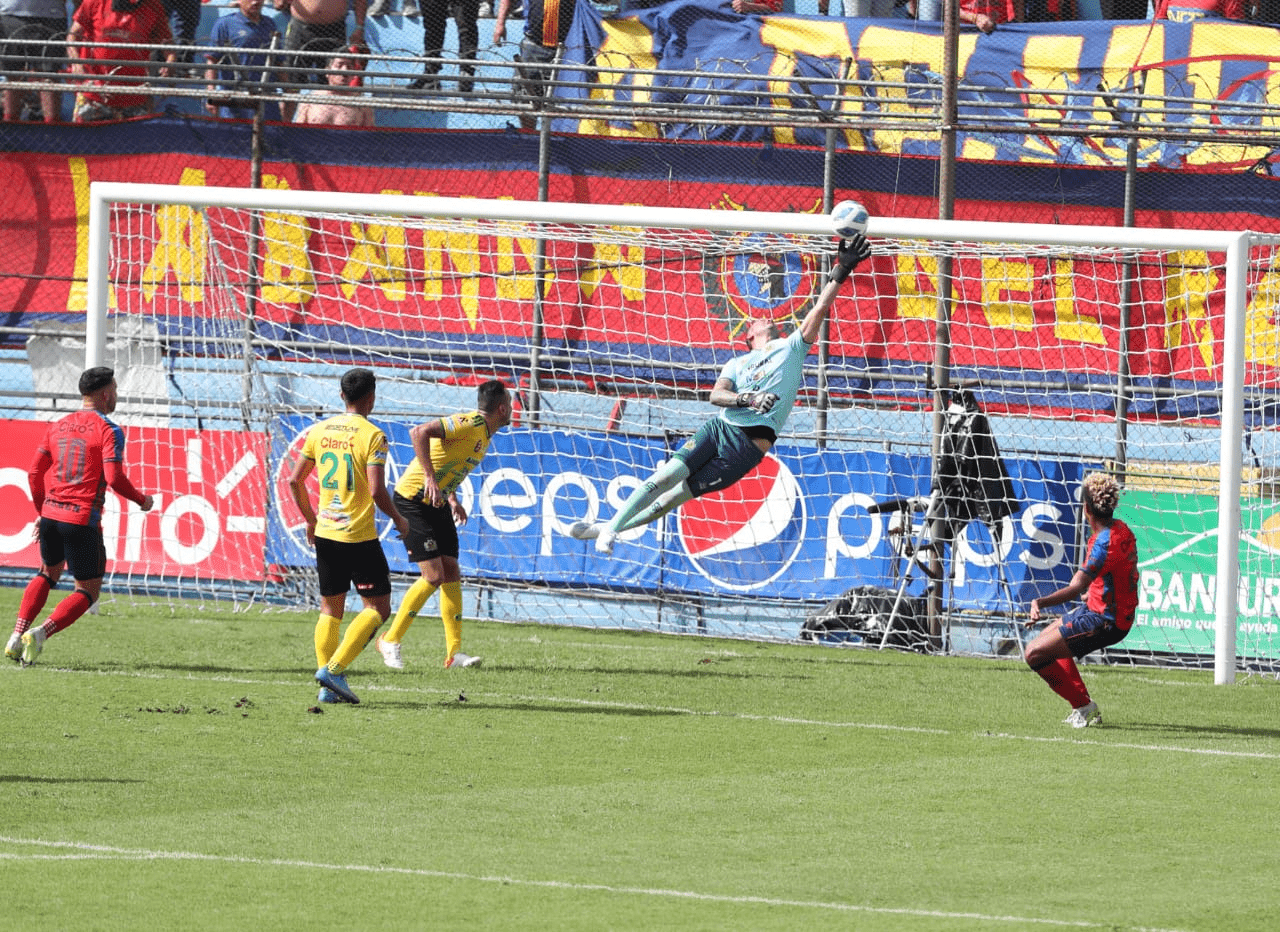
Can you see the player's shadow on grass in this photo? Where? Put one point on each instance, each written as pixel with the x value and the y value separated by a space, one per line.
pixel 20 778
pixel 1226 731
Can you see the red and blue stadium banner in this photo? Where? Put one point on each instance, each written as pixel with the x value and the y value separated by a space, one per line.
pixel 1017 78
pixel 338 271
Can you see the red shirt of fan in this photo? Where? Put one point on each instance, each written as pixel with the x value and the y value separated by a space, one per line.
pixel 112 34
pixel 70 467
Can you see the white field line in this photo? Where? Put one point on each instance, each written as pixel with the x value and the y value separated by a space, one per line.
pixel 78 851
pixel 714 713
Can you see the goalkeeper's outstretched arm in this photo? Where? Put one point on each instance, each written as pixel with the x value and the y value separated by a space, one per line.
pixel 849 254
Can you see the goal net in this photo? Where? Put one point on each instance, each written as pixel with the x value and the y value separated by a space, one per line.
pixel 1148 354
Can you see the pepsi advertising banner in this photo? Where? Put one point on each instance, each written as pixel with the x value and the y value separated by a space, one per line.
pixel 796 528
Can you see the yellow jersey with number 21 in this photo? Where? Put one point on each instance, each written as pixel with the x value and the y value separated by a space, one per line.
pixel 342 447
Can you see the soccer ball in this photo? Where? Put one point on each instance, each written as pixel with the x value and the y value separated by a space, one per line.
pixel 848 218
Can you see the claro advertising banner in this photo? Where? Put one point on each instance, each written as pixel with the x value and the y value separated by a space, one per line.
pixel 207 521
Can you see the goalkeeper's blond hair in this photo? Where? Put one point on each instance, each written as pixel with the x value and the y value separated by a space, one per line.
pixel 1101 494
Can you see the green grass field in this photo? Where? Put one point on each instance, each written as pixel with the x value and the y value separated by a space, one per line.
pixel 164 771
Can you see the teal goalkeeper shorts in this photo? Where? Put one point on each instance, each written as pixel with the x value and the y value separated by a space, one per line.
pixel 718 455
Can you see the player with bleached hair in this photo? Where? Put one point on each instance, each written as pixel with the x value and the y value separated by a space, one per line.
pixel 1110 577
pixel 757 391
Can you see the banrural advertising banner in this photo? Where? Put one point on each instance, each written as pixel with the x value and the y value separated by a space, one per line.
pixel 1178 552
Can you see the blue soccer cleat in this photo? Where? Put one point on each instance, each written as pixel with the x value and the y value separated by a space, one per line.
pixel 338 683
pixel 328 695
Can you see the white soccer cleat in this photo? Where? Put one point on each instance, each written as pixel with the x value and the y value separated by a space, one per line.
pixel 390 654
pixel 462 660
pixel 580 530
pixel 32 644
pixel 604 541
pixel 1084 716
pixel 13 650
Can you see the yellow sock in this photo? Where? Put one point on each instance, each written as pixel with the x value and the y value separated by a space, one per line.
pixel 451 615
pixel 326 638
pixel 361 630
pixel 413 601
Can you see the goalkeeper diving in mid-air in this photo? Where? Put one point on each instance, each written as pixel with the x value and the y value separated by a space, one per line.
pixel 757 391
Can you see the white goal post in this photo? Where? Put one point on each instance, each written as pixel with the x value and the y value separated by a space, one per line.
pixel 222 271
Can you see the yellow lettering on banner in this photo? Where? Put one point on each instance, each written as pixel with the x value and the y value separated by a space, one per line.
pixel 513 284
pixel 1262 322
pixel 785 35
pixel 287 274
pixel 1188 282
pixel 182 235
pixel 1049 87
pixel 627 45
pixel 917 276
pixel 1068 324
pixel 905 58
pixel 623 264
pixel 1003 282
pixel 463 253
pixel 78 293
pixel 1205 48
pixel 380 253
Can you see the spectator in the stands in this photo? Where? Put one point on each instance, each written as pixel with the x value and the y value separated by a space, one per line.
pixel 325 106
pixel 1186 11
pixel 243 28
pixel 317 26
pixel 538 47
pixel 104 33
pixel 1051 11
pixel 987 14
pixel 465 14
pixel 1125 9
pixel 184 20
pixel 752 6
pixel 408 9
pixel 876 9
pixel 36 21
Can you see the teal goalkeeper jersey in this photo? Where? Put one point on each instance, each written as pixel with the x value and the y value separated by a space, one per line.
pixel 777 368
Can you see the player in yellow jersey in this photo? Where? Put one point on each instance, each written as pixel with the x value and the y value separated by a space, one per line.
pixel 451 447
pixel 349 455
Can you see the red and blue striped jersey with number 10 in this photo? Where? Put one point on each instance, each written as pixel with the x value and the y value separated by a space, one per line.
pixel 72 458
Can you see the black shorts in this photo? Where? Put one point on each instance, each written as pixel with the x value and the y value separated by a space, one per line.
pixel 79 545
pixel 326 38
pixel 39 59
pixel 432 532
pixel 718 455
pixel 340 563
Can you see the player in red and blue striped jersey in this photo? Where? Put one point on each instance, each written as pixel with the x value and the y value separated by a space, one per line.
pixel 81 455
pixel 1109 578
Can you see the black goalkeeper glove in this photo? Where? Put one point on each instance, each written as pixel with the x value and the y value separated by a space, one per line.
pixel 848 255
pixel 759 401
